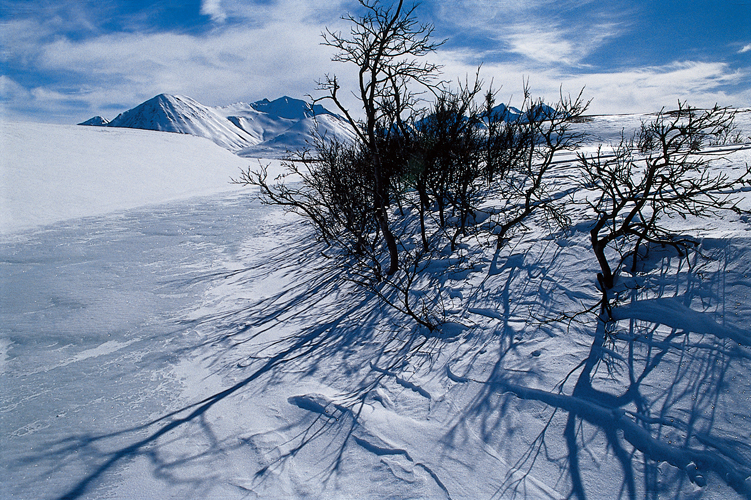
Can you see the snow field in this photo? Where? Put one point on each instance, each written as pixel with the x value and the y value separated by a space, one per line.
pixel 50 173
pixel 206 349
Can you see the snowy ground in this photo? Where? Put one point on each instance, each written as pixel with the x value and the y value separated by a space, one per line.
pixel 204 348
pixel 56 172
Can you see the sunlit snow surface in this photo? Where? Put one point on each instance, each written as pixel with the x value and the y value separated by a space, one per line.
pixel 91 313
pixel 205 348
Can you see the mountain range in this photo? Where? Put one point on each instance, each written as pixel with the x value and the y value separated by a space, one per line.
pixel 262 128
pixel 259 129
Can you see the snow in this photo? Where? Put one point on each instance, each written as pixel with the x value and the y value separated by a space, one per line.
pixel 51 173
pixel 164 335
pixel 183 115
pixel 263 128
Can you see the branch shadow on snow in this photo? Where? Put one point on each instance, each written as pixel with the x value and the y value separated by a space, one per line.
pixel 651 391
pixel 298 329
pixel 656 392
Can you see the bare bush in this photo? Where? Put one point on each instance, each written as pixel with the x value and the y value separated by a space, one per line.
pixel 446 163
pixel 385 45
pixel 666 170
pixel 521 153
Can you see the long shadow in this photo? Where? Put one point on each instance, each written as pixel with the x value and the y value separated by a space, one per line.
pixel 658 385
pixel 243 336
pixel 649 390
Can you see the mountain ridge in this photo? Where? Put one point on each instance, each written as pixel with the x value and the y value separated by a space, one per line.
pixel 263 127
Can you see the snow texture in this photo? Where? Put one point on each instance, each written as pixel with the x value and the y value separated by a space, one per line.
pixel 158 346
pixel 52 173
pixel 263 128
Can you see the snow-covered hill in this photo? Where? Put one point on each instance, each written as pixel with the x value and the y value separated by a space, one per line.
pixel 262 128
pixel 206 348
pixel 96 121
pixel 51 173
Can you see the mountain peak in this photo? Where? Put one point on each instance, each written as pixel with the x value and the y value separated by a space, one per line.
pixel 239 127
pixel 96 121
pixel 289 108
pixel 538 111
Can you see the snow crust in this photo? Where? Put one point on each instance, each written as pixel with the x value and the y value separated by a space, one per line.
pixel 158 346
pixel 51 173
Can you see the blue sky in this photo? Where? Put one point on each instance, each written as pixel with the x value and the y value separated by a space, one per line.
pixel 66 60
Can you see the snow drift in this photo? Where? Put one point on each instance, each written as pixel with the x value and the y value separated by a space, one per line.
pixel 205 348
pixel 52 173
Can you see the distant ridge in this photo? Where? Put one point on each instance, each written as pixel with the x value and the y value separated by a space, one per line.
pixel 262 128
pixel 539 111
pixel 269 128
pixel 96 121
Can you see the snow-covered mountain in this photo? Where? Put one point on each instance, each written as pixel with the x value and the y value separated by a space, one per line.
pixel 267 128
pixel 259 129
pixel 510 113
pixel 96 121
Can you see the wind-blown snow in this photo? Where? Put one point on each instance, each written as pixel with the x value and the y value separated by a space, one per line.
pixel 204 348
pixel 52 173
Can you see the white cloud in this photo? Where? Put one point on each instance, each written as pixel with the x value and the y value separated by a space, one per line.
pixel 278 52
pixel 745 49
pixel 10 89
pixel 542 46
pixel 634 90
pixel 649 89
pixel 535 29
pixel 213 8
pixel 283 56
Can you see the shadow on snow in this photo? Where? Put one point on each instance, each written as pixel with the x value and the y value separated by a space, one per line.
pixel 658 384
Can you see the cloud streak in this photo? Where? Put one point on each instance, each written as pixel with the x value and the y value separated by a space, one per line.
pixel 112 72
pixel 66 65
pixel 634 90
pixel 541 31
pixel 213 9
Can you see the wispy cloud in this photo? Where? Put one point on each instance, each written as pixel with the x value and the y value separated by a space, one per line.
pixel 10 89
pixel 542 46
pixel 556 45
pixel 214 68
pixel 746 48
pixel 94 75
pixel 213 9
pixel 650 88
pixel 642 89
pixel 72 64
pixel 544 31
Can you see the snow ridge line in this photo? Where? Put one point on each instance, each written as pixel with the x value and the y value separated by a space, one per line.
pixel 318 403
pixel 404 383
pixel 680 317
pixel 454 377
pixel 382 451
pixel 692 461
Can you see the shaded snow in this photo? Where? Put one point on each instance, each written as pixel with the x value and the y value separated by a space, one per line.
pixel 204 348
